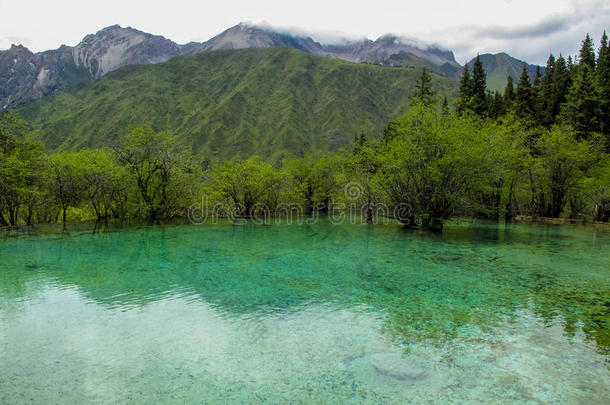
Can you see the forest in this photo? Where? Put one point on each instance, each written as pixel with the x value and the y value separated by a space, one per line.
pixel 542 148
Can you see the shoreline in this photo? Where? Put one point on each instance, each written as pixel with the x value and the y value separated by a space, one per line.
pixel 558 221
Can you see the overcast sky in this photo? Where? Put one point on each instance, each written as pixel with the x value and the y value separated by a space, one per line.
pixel 527 29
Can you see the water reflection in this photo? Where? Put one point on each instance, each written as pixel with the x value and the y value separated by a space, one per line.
pixel 478 293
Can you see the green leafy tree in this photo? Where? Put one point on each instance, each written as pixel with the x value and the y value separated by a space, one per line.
pixel 248 188
pixel 431 163
pixel 12 128
pixel 560 167
pixel 597 189
pixel 362 166
pixel 67 184
pixel 314 181
pixel 151 158
pixel 107 185
pixel 22 165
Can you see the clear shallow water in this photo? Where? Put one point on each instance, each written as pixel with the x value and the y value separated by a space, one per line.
pixel 306 314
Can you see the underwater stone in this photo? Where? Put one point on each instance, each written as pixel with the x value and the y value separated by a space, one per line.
pixel 393 365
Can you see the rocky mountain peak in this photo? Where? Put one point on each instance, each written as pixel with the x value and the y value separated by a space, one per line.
pixel 115 46
pixel 19 50
pixel 25 75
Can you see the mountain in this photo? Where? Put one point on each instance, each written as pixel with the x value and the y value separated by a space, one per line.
pixel 270 101
pixel 499 66
pixel 248 36
pixel 25 76
pixel 380 51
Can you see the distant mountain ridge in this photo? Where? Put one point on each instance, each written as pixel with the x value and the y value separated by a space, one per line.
pixel 25 76
pixel 501 65
pixel 274 101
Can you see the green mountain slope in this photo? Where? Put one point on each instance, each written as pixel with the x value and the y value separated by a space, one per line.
pixel 233 103
pixel 499 66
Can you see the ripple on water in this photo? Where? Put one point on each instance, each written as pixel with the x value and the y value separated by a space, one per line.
pixel 311 314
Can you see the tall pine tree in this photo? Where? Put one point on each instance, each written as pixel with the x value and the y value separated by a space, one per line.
pixel 582 109
pixel 445 106
pixel 560 85
pixel 545 95
pixel 509 93
pixel 464 100
pixel 496 105
pixel 603 76
pixel 423 92
pixel 587 53
pixel 583 105
pixel 536 98
pixel 524 96
pixel 479 85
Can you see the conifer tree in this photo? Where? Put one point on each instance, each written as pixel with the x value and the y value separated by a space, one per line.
pixel 479 87
pixel 445 106
pixel 509 93
pixel 587 53
pixel 583 105
pixel 423 92
pixel 545 95
pixel 603 76
pixel 524 96
pixel 496 105
pixel 536 100
pixel 560 85
pixel 464 100
pixel 538 76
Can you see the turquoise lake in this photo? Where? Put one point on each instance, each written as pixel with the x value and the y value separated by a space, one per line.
pixel 299 314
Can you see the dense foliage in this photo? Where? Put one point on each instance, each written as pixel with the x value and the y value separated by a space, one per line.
pixel 570 94
pixel 540 149
pixel 430 166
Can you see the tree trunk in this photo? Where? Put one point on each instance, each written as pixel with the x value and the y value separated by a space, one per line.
pixel 2 220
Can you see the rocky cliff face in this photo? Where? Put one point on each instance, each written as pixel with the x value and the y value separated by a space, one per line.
pixel 25 76
pixel 114 47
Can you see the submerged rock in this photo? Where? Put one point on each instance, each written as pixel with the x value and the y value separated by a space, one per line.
pixel 396 366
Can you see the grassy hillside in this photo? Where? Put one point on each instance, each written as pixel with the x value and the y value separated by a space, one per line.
pixel 233 103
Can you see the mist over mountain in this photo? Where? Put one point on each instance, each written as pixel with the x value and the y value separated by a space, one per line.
pixel 25 76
